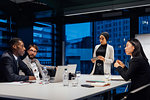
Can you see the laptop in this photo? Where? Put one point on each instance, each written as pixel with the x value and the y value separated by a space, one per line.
pixel 71 68
pixel 59 74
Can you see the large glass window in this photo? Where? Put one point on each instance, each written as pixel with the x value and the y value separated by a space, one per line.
pixel 42 36
pixel 7 31
pixel 144 24
pixel 119 31
pixel 79 46
pixel 45 37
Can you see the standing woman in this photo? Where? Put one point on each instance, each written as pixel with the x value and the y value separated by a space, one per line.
pixel 104 54
pixel 139 69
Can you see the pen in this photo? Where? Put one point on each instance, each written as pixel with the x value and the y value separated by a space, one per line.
pixel 94 81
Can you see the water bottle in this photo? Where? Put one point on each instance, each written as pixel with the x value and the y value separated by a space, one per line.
pixel 65 78
pixel 44 76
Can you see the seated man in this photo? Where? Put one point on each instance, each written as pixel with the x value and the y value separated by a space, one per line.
pixel 33 63
pixel 10 63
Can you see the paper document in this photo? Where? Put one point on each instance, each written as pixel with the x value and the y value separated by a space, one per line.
pixel 117 78
pixel 100 84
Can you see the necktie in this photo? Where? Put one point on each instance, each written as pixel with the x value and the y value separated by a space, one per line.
pixel 17 63
pixel 17 68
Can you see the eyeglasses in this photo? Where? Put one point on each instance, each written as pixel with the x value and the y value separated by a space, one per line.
pixel 33 51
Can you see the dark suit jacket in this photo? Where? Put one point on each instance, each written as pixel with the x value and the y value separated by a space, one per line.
pixel 138 72
pixel 9 71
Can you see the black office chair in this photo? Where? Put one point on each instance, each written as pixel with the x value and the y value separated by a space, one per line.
pixel 142 93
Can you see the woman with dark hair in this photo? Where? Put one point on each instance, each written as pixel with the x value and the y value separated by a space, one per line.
pixel 103 56
pixel 139 69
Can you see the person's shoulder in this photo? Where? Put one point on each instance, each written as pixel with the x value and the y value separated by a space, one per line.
pixel 6 54
pixel 26 58
pixel 96 46
pixel 110 46
pixel 36 60
pixel 138 59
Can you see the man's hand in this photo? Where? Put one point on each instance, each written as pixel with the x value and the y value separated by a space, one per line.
pixel 32 78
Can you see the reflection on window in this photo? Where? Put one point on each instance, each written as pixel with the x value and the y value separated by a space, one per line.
pixel 79 46
pixel 144 24
pixel 7 31
pixel 119 31
pixel 42 37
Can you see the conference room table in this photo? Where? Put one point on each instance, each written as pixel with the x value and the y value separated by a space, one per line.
pixel 56 91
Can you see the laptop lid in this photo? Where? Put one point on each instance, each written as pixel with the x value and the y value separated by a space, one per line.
pixel 59 74
pixel 72 68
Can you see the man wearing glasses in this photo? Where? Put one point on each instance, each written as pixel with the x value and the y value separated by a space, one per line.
pixel 33 63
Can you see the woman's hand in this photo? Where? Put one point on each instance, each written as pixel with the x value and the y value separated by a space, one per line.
pixel 119 63
pixel 101 58
pixel 116 64
pixel 93 61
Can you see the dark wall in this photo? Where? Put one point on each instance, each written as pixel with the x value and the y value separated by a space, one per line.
pixel 25 29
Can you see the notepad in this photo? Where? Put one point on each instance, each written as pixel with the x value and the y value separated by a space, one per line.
pixel 100 84
pixel 94 81
pixel 117 78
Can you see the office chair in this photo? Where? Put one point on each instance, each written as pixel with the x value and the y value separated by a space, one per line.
pixel 141 93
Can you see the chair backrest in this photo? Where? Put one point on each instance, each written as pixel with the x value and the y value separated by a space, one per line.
pixel 141 93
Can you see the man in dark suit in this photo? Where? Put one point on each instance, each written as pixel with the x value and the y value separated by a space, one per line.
pixel 10 63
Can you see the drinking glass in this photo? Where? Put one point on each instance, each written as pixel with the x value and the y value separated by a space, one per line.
pixel 74 81
pixel 107 76
pixel 46 80
pixel 78 74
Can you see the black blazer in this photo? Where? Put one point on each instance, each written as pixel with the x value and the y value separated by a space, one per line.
pixel 9 71
pixel 138 72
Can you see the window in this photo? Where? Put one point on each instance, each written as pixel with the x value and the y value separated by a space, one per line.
pixel 144 26
pixel 119 51
pixel 42 37
pixel 117 37
pixel 7 31
pixel 79 46
pixel 45 37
